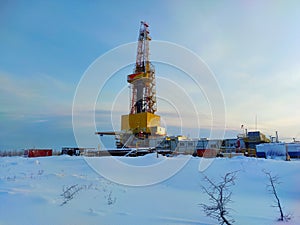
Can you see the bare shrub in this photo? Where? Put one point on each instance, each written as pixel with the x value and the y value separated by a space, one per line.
pixel 273 182
pixel 219 197
pixel 69 193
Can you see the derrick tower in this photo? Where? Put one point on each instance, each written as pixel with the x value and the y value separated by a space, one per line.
pixel 142 122
pixel 142 81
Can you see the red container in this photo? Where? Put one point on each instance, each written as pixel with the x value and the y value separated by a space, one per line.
pixel 37 152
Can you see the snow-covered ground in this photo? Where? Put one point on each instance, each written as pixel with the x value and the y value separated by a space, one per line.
pixel 68 191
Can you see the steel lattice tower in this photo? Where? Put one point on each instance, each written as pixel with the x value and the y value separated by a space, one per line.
pixel 142 81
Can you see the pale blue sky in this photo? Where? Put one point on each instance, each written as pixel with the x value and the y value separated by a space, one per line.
pixel 252 47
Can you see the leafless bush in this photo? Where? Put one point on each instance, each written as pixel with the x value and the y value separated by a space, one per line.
pixel 110 199
pixel 273 181
pixel 69 192
pixel 219 197
pixel 10 153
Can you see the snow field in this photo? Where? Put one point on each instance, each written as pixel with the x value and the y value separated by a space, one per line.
pixel 66 190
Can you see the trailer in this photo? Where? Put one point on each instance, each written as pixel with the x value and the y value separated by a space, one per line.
pixel 72 151
pixel 279 149
pixel 208 148
pixel 177 145
pixel 293 149
pixel 37 153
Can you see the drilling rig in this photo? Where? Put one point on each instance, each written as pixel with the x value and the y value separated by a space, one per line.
pixel 141 125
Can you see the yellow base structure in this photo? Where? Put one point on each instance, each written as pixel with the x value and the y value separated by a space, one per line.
pixel 140 122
